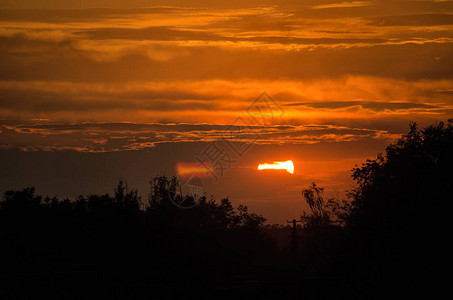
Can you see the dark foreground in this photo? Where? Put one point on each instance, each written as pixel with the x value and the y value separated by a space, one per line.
pixel 389 238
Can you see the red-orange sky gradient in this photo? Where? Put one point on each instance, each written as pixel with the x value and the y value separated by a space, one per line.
pixel 93 92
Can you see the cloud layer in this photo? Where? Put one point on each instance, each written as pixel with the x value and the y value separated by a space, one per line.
pixel 370 66
pixel 107 137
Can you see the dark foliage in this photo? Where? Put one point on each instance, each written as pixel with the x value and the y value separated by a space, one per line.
pixel 391 235
pixel 99 245
pixel 399 222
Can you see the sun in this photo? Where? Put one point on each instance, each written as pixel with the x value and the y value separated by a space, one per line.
pixel 278 165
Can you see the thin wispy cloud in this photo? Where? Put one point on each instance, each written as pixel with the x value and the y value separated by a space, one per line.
pixel 107 137
pixel 343 4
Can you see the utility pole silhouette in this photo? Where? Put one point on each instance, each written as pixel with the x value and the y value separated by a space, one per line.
pixel 294 242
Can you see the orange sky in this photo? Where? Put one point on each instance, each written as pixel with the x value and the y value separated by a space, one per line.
pixel 121 76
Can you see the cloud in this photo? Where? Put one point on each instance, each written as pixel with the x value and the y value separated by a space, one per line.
pixel 354 9
pixel 181 43
pixel 343 4
pixel 372 105
pixel 105 137
pixel 222 101
pixel 160 33
pixel 73 61
pixel 414 20
pixel 326 62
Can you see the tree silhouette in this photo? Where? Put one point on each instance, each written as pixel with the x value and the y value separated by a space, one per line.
pixel 394 228
pixel 398 221
pixel 118 241
pixel 409 185
pixel 23 200
pixel 324 212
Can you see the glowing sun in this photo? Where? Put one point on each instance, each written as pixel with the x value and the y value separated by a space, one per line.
pixel 278 165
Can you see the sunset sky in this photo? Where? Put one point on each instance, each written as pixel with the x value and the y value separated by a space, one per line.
pixel 91 91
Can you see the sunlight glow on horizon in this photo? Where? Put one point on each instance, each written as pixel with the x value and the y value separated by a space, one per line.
pixel 193 169
pixel 278 165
